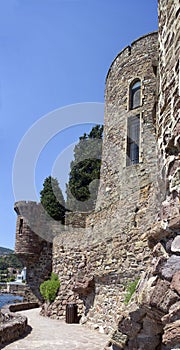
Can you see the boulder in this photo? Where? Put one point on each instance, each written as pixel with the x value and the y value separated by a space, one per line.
pixel 175 246
pixel 171 266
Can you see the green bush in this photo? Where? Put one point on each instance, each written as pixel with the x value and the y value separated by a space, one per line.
pixel 49 288
pixel 130 289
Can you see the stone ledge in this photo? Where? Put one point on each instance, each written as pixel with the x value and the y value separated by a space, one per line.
pixel 15 325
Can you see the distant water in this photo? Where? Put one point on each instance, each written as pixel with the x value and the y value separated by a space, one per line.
pixel 9 299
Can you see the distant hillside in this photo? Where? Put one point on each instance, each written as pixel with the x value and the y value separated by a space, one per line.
pixel 5 251
pixel 7 260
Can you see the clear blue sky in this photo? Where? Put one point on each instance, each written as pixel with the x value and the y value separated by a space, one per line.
pixel 55 53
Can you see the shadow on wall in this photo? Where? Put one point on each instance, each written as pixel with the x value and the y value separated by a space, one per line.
pixel 86 290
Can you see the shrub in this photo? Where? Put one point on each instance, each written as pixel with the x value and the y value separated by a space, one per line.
pixel 49 288
pixel 130 289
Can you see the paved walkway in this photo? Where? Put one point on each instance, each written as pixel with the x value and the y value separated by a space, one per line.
pixel 48 334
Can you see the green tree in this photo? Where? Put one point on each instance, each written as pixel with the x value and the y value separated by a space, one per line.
pixel 52 199
pixel 82 187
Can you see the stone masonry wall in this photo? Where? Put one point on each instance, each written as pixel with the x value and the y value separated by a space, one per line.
pixel 137 210
pixel 34 251
pixel 169 105
pixel 94 275
pixel 127 194
pixel 151 320
pixel 95 263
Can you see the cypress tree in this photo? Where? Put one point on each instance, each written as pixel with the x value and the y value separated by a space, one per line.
pixel 82 187
pixel 52 199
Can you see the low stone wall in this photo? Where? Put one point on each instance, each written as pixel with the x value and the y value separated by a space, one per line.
pixel 13 325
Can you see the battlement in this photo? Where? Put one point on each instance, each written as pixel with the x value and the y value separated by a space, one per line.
pixel 145 40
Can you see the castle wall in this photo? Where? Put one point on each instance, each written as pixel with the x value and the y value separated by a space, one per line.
pixel 95 263
pixel 151 320
pixel 96 256
pixel 128 192
pixel 169 105
pixel 34 245
pixel 95 275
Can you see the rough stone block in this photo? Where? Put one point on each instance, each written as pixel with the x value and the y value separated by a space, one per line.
pixel 175 246
pixel 175 283
pixel 172 265
pixel 171 336
pixel 128 327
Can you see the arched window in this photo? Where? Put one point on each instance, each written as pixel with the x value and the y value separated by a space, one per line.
pixel 133 134
pixel 134 96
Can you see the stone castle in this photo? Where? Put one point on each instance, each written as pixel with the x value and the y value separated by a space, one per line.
pixel 133 231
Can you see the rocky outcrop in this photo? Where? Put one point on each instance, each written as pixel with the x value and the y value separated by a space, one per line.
pixel 152 319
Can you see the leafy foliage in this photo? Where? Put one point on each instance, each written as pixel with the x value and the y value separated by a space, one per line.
pixel 7 261
pixel 130 289
pixel 5 251
pixel 52 199
pixel 83 183
pixel 49 288
pixel 10 261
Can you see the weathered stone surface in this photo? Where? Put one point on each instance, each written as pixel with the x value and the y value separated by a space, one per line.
pixel 175 246
pixel 157 232
pixel 137 313
pixel 12 325
pixel 170 267
pixel 159 251
pixel 175 283
pixel 173 315
pixel 128 327
pixel 85 286
pixel 146 342
pixel 151 326
pixel 171 336
pixel 158 265
pixel 119 339
pixel 162 296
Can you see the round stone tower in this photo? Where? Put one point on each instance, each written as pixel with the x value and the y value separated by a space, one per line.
pixel 126 198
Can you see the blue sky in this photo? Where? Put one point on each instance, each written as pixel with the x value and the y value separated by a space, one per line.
pixel 56 53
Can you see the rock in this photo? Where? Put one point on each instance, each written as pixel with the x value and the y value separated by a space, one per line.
pixel 173 315
pixel 175 283
pixel 157 232
pixel 158 265
pixel 151 327
pixel 101 329
pixel 95 326
pixel 169 299
pixel 162 297
pixel 172 265
pixel 171 336
pixel 146 342
pixel 175 246
pixel 137 313
pixel 159 251
pixel 83 319
pixel 168 245
pixel 174 222
pixel 128 327
pixel 119 339
pixel 145 288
